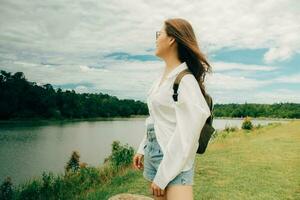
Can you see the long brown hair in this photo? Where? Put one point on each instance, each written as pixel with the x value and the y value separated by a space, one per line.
pixel 188 49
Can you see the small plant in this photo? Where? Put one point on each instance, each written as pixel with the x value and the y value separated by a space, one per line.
pixel 230 129
pixel 83 165
pixel 233 128
pixel 73 163
pixel 89 176
pixel 121 155
pixel 224 134
pixel 258 126
pixel 215 134
pixel 31 190
pixel 273 124
pixel 6 190
pixel 48 180
pixel 247 124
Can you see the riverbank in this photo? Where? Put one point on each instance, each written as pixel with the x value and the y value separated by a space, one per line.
pixel 53 121
pixel 259 164
pixel 250 165
pixel 50 121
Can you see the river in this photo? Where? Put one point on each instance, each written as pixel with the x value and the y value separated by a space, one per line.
pixel 28 149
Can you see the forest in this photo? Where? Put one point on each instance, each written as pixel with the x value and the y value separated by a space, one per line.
pixel 22 99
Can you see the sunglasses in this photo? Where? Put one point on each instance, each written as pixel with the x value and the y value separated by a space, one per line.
pixel 157 34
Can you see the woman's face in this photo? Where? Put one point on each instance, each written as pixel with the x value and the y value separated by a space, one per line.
pixel 162 43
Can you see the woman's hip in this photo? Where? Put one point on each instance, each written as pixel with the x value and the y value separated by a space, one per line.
pixel 152 147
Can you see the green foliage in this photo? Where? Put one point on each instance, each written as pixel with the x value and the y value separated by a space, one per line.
pixel 22 99
pixel 78 178
pixel 247 124
pixel 60 187
pixel 121 155
pixel 258 126
pixel 223 133
pixel 73 163
pixel 230 129
pixel 6 189
pixel 89 176
pixel 276 110
pixel 47 184
pixel 30 190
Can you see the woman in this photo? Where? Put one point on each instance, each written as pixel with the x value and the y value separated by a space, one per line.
pixel 173 127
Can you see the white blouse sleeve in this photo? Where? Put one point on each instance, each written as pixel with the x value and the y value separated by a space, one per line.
pixel 143 142
pixel 142 145
pixel 191 113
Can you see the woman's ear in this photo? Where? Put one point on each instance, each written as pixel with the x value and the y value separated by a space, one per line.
pixel 172 41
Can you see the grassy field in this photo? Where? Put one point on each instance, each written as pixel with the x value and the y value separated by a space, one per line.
pixel 259 164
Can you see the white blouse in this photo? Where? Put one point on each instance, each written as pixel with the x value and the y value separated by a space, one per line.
pixel 177 125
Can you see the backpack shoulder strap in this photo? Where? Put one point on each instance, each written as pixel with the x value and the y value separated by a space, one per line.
pixel 209 101
pixel 177 81
pixel 207 97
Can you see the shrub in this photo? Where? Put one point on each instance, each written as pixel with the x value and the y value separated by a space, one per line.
pixel 258 126
pixel 78 178
pixel 58 188
pixel 73 163
pixel 83 165
pixel 224 134
pixel 121 155
pixel 6 190
pixel 47 185
pixel 230 129
pixel 30 190
pixel 89 177
pixel 247 124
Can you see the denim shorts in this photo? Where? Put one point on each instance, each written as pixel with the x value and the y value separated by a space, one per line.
pixel 153 156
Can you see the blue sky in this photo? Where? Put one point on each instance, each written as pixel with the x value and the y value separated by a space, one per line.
pixel 108 46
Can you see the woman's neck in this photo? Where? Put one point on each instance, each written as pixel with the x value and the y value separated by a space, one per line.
pixel 171 63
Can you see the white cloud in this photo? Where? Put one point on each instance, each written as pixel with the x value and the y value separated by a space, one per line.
pixel 256 96
pixel 224 66
pixel 131 79
pixel 71 38
pixel 278 53
pixel 105 26
pixel 218 81
pixel 84 68
pixel 295 78
pixel 125 79
pixel 81 89
pixel 276 96
pixel 286 45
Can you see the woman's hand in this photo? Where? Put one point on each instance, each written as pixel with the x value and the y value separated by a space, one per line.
pixel 156 191
pixel 137 161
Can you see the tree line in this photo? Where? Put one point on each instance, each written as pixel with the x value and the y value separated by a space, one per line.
pixel 22 99
pixel 276 110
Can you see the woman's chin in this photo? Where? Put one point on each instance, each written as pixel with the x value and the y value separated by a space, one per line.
pixel 157 53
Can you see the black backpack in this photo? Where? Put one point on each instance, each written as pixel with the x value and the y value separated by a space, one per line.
pixel 207 129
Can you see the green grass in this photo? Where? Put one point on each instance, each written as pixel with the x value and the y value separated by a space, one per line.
pixel 263 163
pixel 259 164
